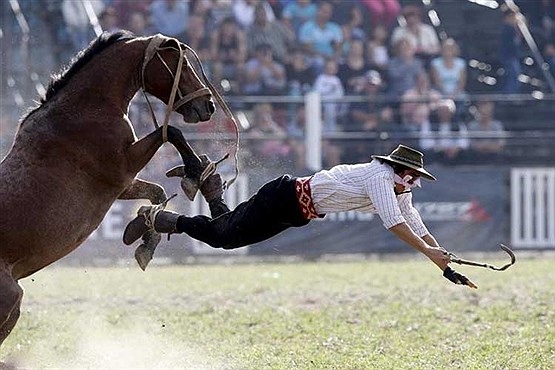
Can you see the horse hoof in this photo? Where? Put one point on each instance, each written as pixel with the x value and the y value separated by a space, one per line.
pixel 190 187
pixel 177 171
pixel 145 251
pixel 143 256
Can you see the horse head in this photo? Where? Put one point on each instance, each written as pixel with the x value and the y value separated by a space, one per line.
pixel 168 74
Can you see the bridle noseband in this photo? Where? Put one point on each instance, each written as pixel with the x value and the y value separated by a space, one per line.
pixel 153 50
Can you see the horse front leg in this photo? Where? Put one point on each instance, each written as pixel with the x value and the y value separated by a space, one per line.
pixel 138 156
pixel 142 151
pixel 191 172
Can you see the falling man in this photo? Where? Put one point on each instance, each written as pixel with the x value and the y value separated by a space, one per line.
pixel 383 186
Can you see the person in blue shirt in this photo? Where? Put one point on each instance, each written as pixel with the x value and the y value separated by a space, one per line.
pixel 169 17
pixel 298 12
pixel 321 38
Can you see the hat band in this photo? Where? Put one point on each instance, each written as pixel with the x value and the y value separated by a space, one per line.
pixel 419 164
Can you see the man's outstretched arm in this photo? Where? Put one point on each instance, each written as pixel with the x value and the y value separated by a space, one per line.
pixel 428 247
pixel 431 249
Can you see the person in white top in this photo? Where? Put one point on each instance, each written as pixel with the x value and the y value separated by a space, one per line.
pixel 383 186
pixel 422 36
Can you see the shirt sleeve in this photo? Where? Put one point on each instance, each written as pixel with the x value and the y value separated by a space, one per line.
pixel 305 33
pixel 381 193
pixel 411 215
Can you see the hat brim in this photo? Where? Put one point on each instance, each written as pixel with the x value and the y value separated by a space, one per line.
pixel 425 174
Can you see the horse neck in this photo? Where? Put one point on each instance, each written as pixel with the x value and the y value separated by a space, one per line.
pixel 113 74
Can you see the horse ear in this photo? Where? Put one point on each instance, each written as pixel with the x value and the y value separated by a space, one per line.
pixel 172 42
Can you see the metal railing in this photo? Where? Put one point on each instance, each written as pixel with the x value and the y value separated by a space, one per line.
pixel 533 207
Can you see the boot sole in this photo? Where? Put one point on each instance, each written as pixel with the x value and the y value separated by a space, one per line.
pixel 134 230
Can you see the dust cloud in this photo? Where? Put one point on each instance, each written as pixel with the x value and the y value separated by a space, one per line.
pixel 103 348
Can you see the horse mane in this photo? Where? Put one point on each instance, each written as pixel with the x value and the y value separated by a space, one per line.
pixel 59 80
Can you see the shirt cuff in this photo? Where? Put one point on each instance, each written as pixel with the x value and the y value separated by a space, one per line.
pixel 393 221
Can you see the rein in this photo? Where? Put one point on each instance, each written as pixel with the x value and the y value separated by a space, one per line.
pixel 152 51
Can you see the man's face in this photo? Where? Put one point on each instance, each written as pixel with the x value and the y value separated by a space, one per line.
pixel 324 12
pixel 412 173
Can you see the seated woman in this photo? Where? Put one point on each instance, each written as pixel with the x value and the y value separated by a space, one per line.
pixel 448 74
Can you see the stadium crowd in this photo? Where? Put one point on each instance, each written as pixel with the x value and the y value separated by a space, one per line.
pixel 385 52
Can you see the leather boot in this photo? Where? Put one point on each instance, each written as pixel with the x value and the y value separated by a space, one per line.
pixel 147 219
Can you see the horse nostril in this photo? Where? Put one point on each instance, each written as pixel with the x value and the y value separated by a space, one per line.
pixel 210 106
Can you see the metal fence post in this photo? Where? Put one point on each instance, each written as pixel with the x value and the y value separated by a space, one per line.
pixel 313 131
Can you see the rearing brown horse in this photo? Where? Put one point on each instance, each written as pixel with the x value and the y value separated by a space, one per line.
pixel 76 153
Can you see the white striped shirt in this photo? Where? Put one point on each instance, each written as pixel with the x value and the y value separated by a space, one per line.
pixel 365 187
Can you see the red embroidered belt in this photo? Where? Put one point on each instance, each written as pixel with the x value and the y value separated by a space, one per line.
pixel 304 197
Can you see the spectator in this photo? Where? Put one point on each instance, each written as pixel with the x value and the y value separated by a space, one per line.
pixel 449 71
pixel 125 9
pixel 136 23
pixel 352 71
pixel 353 28
pixel 243 11
pixel 295 132
pixel 447 138
pixel 219 10
pixel 321 38
pixel 382 12
pixel 541 16
pixel 298 12
pixel 204 9
pixel 263 126
pixel 78 22
pixel 229 51
pixel 421 94
pixel 273 33
pixel 403 69
pixel 263 75
pixel 377 53
pixel 422 36
pixel 201 8
pixel 108 19
pixel 169 17
pixel 416 123
pixel 341 10
pixel 297 124
pixel 486 125
pixel 509 49
pixel 300 79
pixel 330 86
pixel 197 38
pixel 300 74
pixel 368 114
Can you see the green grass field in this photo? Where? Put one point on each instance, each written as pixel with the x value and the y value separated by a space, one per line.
pixel 360 315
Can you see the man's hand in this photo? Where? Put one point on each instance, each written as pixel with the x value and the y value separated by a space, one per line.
pixel 439 256
pixel 457 278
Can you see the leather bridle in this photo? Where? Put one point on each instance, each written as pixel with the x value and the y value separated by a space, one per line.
pixel 153 50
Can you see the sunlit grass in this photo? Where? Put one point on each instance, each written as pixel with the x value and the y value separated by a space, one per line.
pixel 363 315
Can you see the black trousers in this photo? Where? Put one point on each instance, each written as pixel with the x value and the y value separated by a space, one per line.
pixel 273 209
